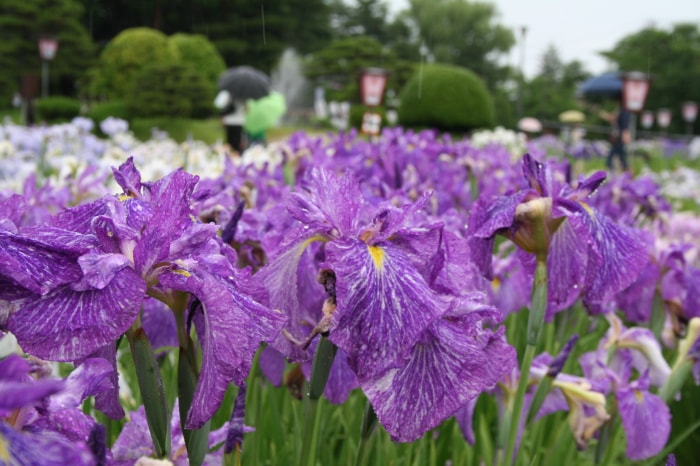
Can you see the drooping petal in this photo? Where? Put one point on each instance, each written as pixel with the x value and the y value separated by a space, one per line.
pixel 44 448
pixel 464 416
pixel 450 366
pixel 108 401
pixel 66 325
pixel 646 420
pixel 230 326
pixel 383 305
pixel 89 378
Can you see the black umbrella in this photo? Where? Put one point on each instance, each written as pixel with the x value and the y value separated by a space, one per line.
pixel 607 85
pixel 245 82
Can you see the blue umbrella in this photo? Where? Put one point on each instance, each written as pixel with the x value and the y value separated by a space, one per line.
pixel 606 85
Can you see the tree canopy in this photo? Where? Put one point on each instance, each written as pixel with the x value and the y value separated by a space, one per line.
pixel 672 58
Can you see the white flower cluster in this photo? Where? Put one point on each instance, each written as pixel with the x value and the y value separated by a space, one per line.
pixel 514 142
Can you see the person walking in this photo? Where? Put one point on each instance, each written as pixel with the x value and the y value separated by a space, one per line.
pixel 620 136
pixel 233 119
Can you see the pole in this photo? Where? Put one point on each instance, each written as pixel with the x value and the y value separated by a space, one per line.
pixel 44 78
pixel 521 81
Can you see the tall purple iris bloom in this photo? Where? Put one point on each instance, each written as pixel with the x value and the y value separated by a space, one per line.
pixel 587 254
pixel 408 316
pixel 79 282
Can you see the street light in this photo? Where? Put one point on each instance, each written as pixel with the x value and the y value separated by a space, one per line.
pixel 690 112
pixel 372 85
pixel 663 117
pixel 521 81
pixel 48 46
pixel 635 88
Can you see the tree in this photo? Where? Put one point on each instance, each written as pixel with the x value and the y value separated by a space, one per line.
pixel 553 90
pixel 21 25
pixel 672 57
pixel 244 31
pixel 464 34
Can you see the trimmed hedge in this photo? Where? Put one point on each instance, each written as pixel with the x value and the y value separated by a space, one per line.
pixel 199 54
pixel 447 98
pixel 170 90
pixel 126 55
pixel 115 108
pixel 57 109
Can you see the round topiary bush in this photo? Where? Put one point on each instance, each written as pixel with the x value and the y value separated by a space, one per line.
pixel 57 109
pixel 170 90
pixel 126 55
pixel 197 53
pixel 445 97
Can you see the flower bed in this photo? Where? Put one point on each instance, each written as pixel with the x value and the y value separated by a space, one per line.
pixel 455 285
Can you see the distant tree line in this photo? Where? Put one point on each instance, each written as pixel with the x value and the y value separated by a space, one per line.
pixel 336 38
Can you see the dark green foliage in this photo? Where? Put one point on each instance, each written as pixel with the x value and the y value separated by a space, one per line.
pixel 22 23
pixel 445 97
pixel 126 55
pixel 57 109
pixel 174 90
pixel 197 53
pixel 112 108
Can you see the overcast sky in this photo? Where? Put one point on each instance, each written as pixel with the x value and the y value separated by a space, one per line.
pixel 581 28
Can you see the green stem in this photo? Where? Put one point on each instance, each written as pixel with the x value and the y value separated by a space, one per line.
pixel 369 422
pixel 538 307
pixel 320 370
pixel 152 392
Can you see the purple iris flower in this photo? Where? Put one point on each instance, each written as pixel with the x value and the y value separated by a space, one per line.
pixel 410 321
pixel 41 420
pixel 81 281
pixel 645 417
pixel 587 254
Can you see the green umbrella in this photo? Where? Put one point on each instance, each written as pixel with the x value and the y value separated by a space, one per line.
pixel 263 114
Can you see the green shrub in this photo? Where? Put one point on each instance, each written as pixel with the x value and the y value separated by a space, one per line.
pixel 57 109
pixel 126 55
pixel 170 90
pixel 447 98
pixel 113 108
pixel 197 53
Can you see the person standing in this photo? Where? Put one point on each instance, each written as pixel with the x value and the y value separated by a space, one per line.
pixel 233 119
pixel 620 136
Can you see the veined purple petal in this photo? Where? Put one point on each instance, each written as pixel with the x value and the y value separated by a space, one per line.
pixel 100 269
pixel 588 186
pixel 450 366
pixel 66 325
pixel 383 305
pixel 128 177
pixel 332 202
pixel 35 266
pixel 79 218
pixel 89 378
pixel 158 321
pixel 45 448
pixel 230 327
pixel 636 300
pixel 15 394
pixel 272 364
pixel 484 222
pixel 280 278
pixel 108 401
pixel 622 253
pixel 646 420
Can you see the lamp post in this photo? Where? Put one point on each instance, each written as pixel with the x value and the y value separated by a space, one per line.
pixel 663 117
pixel 48 46
pixel 690 112
pixel 521 81
pixel 647 119
pixel 635 88
pixel 372 85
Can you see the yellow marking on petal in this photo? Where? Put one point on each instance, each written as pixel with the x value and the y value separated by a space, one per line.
pixel 587 208
pixel 496 283
pixel 639 395
pixel 124 197
pixel 4 452
pixel 377 254
pixel 184 273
